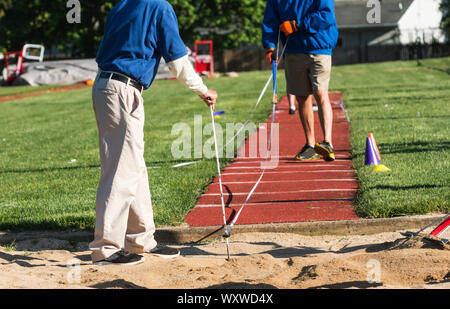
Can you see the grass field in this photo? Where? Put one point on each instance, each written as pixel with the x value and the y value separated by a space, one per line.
pixel 8 91
pixel 42 187
pixel 49 166
pixel 406 106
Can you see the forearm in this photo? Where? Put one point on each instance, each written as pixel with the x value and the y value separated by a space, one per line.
pixel 270 26
pixel 183 70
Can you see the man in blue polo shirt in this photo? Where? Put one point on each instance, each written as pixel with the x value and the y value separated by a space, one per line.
pixel 137 34
pixel 309 26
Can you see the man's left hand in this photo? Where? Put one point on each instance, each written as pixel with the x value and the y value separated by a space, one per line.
pixel 289 27
pixel 271 55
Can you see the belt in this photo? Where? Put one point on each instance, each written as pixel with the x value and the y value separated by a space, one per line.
pixel 122 79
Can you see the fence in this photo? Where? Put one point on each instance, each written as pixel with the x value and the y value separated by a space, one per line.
pixel 252 59
pixel 379 53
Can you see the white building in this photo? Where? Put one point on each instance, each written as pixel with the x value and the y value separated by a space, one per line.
pixel 387 22
pixel 421 21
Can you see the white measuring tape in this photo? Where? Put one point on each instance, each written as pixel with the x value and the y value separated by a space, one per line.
pixel 220 177
pixel 261 95
pixel 272 76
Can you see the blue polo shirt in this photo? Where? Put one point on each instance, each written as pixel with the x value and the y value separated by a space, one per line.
pixel 137 34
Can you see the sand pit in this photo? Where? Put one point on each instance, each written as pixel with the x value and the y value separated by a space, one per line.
pixel 259 260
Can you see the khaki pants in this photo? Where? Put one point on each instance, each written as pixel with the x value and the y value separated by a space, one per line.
pixel 307 73
pixel 124 215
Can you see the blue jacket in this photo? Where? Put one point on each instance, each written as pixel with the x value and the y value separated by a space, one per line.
pixel 137 34
pixel 316 22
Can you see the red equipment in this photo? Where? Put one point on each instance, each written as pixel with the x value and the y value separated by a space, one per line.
pixel 10 74
pixel 441 228
pixel 437 232
pixel 204 62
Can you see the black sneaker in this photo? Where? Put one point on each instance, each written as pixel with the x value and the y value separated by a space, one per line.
pixel 165 252
pixel 292 110
pixel 325 150
pixel 307 153
pixel 121 258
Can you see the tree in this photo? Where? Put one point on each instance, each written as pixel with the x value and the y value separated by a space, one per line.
pixel 45 22
pixel 4 4
pixel 445 8
pixel 228 23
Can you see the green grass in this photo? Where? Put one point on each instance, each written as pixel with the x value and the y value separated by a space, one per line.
pixel 404 104
pixel 41 188
pixel 12 90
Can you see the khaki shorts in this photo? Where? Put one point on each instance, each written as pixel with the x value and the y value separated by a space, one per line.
pixel 307 73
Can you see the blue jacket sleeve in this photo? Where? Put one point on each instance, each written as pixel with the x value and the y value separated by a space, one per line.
pixel 170 44
pixel 321 18
pixel 271 25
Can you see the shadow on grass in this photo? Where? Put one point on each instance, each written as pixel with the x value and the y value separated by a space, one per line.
pixel 63 224
pixel 412 187
pixel 77 167
pixel 443 70
pixel 49 169
pixel 388 117
pixel 413 147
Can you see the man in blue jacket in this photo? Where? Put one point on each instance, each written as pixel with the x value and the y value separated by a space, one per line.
pixel 309 26
pixel 137 34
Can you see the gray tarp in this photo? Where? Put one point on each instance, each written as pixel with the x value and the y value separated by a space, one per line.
pixel 67 72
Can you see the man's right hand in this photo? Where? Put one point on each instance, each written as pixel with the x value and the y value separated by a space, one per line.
pixel 209 98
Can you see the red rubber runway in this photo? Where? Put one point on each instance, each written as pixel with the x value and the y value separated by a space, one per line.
pixel 290 190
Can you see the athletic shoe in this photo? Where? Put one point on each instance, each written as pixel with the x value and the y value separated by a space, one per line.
pixel 292 110
pixel 307 153
pixel 165 252
pixel 325 150
pixel 121 258
pixel 315 108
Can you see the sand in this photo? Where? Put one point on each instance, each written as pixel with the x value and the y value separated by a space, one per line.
pixel 258 260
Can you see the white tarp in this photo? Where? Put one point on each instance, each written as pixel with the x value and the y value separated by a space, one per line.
pixel 68 72
pixel 64 72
